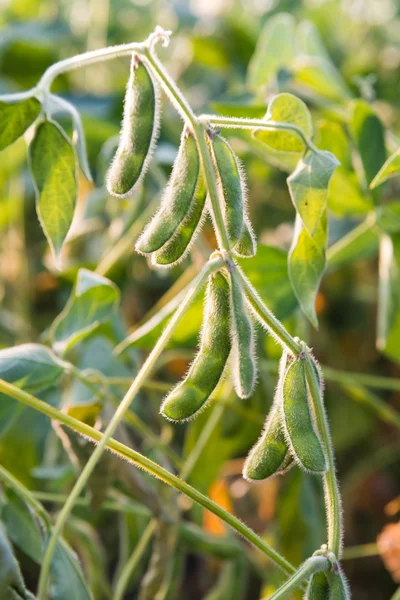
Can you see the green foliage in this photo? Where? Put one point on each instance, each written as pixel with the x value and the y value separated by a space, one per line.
pixel 32 367
pixel 16 118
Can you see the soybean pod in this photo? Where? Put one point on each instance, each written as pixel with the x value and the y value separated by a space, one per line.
pixel 318 588
pixel 270 455
pixel 299 426
pixel 243 339
pixel 189 396
pixel 175 205
pixel 178 246
pixel 139 132
pixel 231 186
pixel 339 589
pixel 247 244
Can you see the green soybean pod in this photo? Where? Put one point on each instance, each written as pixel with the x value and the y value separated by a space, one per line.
pixel 243 340
pixel 301 435
pixel 247 244
pixel 339 589
pixel 189 396
pixel 270 455
pixel 139 132
pixel 318 588
pixel 179 245
pixel 231 187
pixel 177 198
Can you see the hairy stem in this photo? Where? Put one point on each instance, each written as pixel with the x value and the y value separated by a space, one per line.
pixel 151 467
pixel 143 374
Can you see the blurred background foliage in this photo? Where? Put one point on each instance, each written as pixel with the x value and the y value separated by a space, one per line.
pixel 212 44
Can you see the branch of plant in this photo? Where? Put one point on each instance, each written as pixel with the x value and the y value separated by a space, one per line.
pixel 151 467
pixel 315 564
pixel 144 373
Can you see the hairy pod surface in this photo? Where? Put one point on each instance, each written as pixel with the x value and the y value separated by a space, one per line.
pixel 138 134
pixel 192 393
pixel 247 244
pixel 177 199
pixel 299 426
pixel 270 455
pixel 243 340
pixel 339 589
pixel 231 187
pixel 179 245
pixel 318 588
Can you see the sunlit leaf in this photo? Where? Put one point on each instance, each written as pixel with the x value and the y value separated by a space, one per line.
pixel 286 108
pixel 93 301
pixel 31 367
pixel 52 162
pixel 307 265
pixel 389 169
pixel 308 186
pixel 16 118
pixel 368 135
pixel 274 50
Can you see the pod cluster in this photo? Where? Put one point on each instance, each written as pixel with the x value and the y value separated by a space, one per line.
pixel 227 332
pixel 290 434
pixel 329 586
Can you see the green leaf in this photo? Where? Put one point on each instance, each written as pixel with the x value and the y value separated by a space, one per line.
pixel 388 329
pixel 268 273
pixel 93 301
pixel 368 136
pixel 388 217
pixel 22 526
pixel 389 169
pixel 307 265
pixel 274 51
pixel 308 187
pixel 286 108
pixel 53 166
pixel 31 367
pixel 16 118
pixel 66 578
pixel 12 585
pixel 359 243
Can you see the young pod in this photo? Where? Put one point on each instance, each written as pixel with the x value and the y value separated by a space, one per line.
pixel 231 187
pixel 180 192
pixel 270 455
pixel 189 396
pixel 339 589
pixel 138 133
pixel 247 244
pixel 299 427
pixel 318 588
pixel 243 340
pixel 178 246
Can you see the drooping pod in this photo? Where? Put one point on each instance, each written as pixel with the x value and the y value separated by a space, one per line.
pixel 189 396
pixel 243 339
pixel 177 199
pixel 318 588
pixel 270 455
pixel 300 431
pixel 231 186
pixel 139 132
pixel 179 245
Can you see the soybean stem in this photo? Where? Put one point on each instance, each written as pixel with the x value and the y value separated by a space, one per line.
pixel 143 374
pixel 151 467
pixel 315 564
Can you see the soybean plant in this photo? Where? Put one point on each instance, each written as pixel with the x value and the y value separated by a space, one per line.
pixel 207 179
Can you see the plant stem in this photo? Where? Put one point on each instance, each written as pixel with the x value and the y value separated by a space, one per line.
pixel 151 467
pixel 238 123
pixel 315 564
pixel 331 488
pixel 143 374
pixel 267 318
pixel 133 561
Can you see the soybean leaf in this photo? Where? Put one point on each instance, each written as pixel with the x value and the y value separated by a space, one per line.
pixel 93 301
pixel 353 247
pixel 16 118
pixel 308 187
pixel 274 51
pixel 66 579
pixel 388 329
pixel 52 163
pixel 12 585
pixel 31 367
pixel 286 108
pixel 22 526
pixel 389 169
pixel 388 217
pixel 307 265
pixel 267 271
pixel 368 136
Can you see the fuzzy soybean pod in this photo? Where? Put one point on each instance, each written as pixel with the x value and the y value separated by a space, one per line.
pixel 339 589
pixel 179 245
pixel 270 455
pixel 139 132
pixel 299 427
pixel 231 187
pixel 318 588
pixel 177 199
pixel 247 244
pixel 189 396
pixel 243 339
